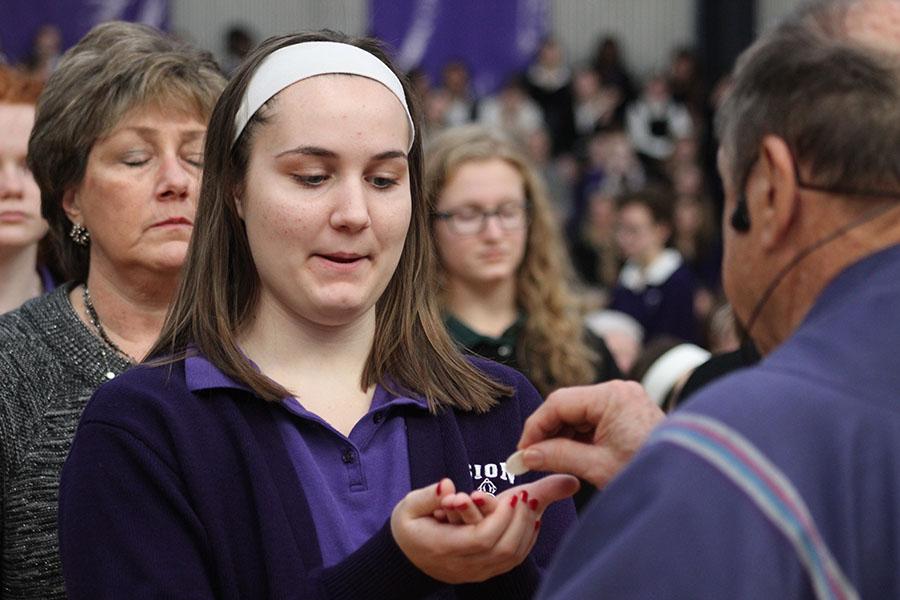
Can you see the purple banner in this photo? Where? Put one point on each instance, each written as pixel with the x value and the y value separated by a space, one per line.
pixel 495 38
pixel 20 20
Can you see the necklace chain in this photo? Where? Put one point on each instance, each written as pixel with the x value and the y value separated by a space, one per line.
pixel 95 321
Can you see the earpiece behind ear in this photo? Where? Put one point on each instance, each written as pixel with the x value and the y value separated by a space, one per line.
pixel 740 218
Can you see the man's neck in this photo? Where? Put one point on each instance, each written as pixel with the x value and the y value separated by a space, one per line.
pixel 802 286
pixel 18 272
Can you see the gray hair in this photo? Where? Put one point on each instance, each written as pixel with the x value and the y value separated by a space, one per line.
pixel 832 98
pixel 113 69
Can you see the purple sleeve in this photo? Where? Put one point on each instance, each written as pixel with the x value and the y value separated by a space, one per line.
pixel 126 528
pixel 670 526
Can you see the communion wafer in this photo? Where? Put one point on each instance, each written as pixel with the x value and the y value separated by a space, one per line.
pixel 515 464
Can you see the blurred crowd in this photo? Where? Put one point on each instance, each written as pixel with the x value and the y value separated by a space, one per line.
pixel 628 164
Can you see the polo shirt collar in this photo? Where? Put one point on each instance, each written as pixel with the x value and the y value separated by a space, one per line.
pixel 200 374
pixel 467 338
pixel 657 272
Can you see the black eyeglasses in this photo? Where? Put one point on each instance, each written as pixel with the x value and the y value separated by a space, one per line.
pixel 470 220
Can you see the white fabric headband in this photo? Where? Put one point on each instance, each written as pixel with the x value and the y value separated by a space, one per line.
pixel 291 64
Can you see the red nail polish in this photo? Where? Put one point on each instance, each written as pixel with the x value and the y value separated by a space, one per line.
pixel 514 501
pixel 537 525
pixel 533 504
pixel 478 501
pixel 524 495
pixel 461 506
pixel 439 488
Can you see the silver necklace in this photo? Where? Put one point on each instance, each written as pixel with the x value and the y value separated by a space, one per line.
pixel 95 321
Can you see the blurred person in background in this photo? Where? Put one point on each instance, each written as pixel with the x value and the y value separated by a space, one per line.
pixel 685 82
pixel 596 106
pixel 549 82
pixel 610 67
pixel 560 174
pixel 595 252
pixel 506 289
pixel 622 334
pixel 45 53
pixel 655 123
pixel 24 261
pixel 117 152
pixel 511 110
pixel 655 285
pixel 695 234
pixel 239 41
pixel 456 89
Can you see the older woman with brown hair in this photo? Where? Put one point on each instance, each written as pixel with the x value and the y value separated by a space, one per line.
pixel 116 150
pixel 307 422
pixel 23 272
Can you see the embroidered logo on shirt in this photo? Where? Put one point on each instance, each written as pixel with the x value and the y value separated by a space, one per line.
pixel 487 486
pixel 484 475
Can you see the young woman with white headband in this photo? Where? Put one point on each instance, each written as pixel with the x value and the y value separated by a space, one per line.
pixel 306 428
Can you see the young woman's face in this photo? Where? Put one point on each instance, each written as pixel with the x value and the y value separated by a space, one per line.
pixel 493 253
pixel 326 201
pixel 139 192
pixel 21 223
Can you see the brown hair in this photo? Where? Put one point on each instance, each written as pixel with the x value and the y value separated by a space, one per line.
pixel 552 349
pixel 219 289
pixel 834 101
pixel 18 88
pixel 115 68
pixel 658 202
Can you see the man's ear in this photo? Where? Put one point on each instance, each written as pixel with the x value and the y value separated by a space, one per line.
pixel 772 192
pixel 71 206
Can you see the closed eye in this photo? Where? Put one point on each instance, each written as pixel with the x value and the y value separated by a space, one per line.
pixel 310 180
pixel 383 183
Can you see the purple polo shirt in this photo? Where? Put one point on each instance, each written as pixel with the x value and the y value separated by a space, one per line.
pixel 352 483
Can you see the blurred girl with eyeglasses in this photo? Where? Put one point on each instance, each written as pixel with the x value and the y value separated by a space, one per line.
pixel 506 278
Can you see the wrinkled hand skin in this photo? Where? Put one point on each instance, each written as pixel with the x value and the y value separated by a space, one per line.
pixel 591 432
pixel 452 539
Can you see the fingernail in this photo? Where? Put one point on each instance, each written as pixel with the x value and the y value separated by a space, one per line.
pixel 533 504
pixel 514 501
pixel 537 524
pixel 524 495
pixel 461 506
pixel 478 501
pixel 439 488
pixel 533 459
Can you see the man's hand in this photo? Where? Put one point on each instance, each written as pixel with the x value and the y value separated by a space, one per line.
pixel 589 431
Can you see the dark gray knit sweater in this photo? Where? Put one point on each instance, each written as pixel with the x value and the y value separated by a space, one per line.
pixel 50 364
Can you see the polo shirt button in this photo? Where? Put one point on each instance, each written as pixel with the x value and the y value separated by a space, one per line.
pixel 378 417
pixel 504 351
pixel 347 457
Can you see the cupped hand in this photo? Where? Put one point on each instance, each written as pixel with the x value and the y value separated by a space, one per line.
pixel 486 538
